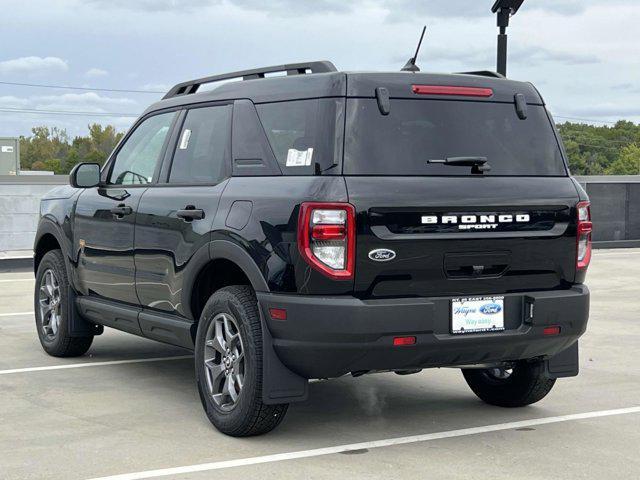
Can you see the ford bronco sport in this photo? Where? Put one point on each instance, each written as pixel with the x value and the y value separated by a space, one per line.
pixel 304 223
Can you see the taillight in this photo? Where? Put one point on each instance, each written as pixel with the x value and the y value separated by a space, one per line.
pixel 326 238
pixel 585 227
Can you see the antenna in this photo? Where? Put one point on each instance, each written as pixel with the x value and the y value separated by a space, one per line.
pixel 411 66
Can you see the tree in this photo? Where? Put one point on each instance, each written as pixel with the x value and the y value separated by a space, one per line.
pixel 628 163
pixel 597 150
pixel 51 148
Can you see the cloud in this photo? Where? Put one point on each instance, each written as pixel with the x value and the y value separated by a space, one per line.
pixel 606 110
pixel 278 7
pixel 538 55
pixel 156 87
pixel 296 7
pixel 89 101
pixel 82 102
pixel 627 87
pixel 478 57
pixel 408 10
pixel 9 101
pixel 29 65
pixel 96 72
pixel 152 5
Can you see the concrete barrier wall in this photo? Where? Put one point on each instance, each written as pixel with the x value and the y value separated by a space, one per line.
pixel 19 208
pixel 615 209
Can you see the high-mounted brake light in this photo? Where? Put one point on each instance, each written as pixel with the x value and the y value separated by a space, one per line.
pixel 451 90
pixel 583 237
pixel 326 238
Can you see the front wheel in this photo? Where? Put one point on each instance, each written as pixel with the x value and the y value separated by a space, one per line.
pixel 523 384
pixel 51 305
pixel 228 356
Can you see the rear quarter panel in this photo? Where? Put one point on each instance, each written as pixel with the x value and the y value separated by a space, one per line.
pixel 269 235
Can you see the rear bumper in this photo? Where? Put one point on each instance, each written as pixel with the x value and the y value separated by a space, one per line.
pixel 326 337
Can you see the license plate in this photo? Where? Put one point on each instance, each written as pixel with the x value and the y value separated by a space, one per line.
pixel 477 314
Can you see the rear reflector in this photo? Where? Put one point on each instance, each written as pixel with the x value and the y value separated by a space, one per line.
pixel 278 313
pixel 402 341
pixel 554 330
pixel 450 90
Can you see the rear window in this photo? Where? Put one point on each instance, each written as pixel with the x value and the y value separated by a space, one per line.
pixel 416 131
pixel 303 132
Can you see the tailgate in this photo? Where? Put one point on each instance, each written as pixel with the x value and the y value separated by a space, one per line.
pixel 457 236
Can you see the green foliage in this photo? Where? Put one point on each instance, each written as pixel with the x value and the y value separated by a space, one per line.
pixel 51 149
pixel 592 150
pixel 628 163
pixel 597 150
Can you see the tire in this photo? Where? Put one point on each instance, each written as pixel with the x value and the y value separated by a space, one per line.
pixel 52 324
pixel 232 312
pixel 526 384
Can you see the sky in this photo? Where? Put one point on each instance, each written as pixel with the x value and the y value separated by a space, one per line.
pixel 583 55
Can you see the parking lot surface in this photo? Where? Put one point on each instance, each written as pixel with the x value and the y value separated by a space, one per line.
pixel 130 409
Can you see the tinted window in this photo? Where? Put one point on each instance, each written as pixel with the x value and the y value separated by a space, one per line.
pixel 203 149
pixel 303 132
pixel 136 161
pixel 417 131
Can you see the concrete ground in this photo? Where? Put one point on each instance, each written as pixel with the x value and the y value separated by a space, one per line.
pixel 128 417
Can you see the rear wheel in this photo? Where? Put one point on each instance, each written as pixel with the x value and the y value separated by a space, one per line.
pixel 228 360
pixel 523 384
pixel 51 309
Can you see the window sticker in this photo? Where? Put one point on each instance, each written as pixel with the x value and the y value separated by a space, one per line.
pixel 184 141
pixel 299 158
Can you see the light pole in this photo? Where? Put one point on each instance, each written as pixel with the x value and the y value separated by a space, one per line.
pixel 504 10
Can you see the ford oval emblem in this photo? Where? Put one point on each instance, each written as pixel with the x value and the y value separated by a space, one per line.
pixel 382 255
pixel 490 308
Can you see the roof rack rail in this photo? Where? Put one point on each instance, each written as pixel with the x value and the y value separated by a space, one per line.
pixel 191 86
pixel 484 73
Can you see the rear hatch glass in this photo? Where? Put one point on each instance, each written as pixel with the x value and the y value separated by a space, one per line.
pixel 418 131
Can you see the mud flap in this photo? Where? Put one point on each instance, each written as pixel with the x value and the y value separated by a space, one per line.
pixel 78 326
pixel 563 364
pixel 279 384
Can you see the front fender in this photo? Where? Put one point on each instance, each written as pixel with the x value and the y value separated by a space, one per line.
pixel 49 226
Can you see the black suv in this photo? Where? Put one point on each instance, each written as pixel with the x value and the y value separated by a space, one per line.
pixel 304 223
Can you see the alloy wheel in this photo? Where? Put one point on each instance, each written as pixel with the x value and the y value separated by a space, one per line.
pixel 50 304
pixel 224 361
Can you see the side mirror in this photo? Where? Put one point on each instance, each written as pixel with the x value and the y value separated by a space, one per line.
pixel 85 175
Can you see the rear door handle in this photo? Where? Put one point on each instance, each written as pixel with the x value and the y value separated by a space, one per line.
pixel 121 210
pixel 190 213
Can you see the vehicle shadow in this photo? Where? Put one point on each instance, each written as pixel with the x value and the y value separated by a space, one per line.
pixel 370 407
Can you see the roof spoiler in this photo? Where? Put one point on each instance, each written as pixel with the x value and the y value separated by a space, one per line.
pixel 191 86
pixel 484 73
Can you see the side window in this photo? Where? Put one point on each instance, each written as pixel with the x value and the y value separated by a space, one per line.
pixel 303 133
pixel 204 146
pixel 136 161
pixel 291 130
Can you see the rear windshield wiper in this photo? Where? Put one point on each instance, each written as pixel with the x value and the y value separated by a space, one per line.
pixel 477 164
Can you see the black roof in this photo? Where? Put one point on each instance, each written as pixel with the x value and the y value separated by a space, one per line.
pixel 326 81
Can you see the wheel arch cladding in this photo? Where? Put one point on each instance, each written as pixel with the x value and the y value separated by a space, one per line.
pixel 228 264
pixel 45 243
